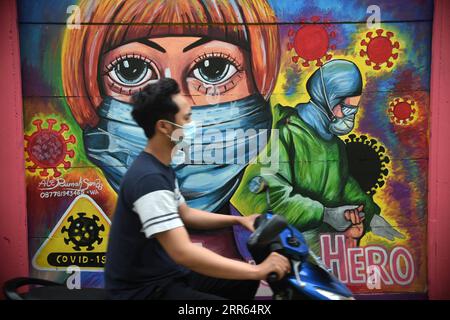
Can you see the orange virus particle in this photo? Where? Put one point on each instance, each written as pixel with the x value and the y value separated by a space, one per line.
pixel 379 49
pixel 47 148
pixel 402 111
pixel 312 42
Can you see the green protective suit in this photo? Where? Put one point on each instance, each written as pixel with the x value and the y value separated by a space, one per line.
pixel 313 174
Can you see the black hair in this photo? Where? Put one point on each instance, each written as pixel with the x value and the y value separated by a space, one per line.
pixel 154 103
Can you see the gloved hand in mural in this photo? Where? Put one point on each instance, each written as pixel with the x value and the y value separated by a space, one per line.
pixel 341 218
pixel 347 219
pixel 311 185
pixel 350 219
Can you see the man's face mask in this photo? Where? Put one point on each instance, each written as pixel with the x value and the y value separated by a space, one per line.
pixel 181 140
pixel 188 135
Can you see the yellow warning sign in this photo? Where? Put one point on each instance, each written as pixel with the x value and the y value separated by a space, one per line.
pixel 78 239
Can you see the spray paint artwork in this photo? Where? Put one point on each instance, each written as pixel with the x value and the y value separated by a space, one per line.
pixel 342 89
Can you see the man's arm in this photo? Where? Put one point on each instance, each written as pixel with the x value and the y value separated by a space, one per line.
pixel 177 244
pixel 199 219
pixel 159 214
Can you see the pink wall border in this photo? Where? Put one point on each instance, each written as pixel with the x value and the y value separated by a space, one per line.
pixel 13 214
pixel 439 160
pixel 13 227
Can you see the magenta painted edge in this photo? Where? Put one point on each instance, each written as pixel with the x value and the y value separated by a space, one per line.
pixel 13 214
pixel 13 229
pixel 439 170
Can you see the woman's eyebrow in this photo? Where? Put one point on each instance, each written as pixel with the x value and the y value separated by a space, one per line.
pixel 152 44
pixel 196 44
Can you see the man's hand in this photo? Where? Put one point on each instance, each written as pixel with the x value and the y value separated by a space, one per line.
pixel 248 222
pixel 275 262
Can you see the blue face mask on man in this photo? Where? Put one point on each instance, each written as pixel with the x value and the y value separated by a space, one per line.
pixel 208 185
pixel 188 132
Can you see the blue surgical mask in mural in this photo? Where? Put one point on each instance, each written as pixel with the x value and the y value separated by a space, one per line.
pixel 328 86
pixel 344 125
pixel 117 140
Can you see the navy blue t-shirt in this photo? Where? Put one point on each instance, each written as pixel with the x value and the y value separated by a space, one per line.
pixel 148 203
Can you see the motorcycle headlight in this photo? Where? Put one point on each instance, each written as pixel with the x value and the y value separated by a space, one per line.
pixel 332 295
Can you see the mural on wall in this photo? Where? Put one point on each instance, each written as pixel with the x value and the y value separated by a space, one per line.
pixel 335 96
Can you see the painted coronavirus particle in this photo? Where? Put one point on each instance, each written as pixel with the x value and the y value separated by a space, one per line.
pixel 47 148
pixel 379 49
pixel 402 111
pixel 312 42
pixel 367 162
pixel 83 232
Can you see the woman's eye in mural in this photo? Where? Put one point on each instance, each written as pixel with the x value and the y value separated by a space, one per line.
pixel 131 71
pixel 216 70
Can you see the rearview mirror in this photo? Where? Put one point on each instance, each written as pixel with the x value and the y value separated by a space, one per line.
pixel 257 185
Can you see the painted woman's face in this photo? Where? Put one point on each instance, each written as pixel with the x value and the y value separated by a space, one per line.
pixel 203 68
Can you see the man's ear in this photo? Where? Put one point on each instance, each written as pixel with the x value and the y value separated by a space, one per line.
pixel 163 126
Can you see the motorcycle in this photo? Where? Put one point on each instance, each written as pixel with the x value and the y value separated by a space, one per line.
pixel 309 277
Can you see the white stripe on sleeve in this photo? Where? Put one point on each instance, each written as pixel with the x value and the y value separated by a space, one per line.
pixel 158 212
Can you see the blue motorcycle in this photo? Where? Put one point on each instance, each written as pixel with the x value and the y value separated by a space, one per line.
pixel 309 277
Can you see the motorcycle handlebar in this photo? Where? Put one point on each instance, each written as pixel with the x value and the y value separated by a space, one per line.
pixel 267 230
pixel 272 277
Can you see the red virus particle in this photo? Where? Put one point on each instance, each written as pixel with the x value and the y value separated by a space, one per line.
pixel 379 49
pixel 47 148
pixel 402 111
pixel 312 42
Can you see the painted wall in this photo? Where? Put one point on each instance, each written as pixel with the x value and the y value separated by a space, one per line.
pixel 77 81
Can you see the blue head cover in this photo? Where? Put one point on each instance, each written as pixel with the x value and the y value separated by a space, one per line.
pixel 328 86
